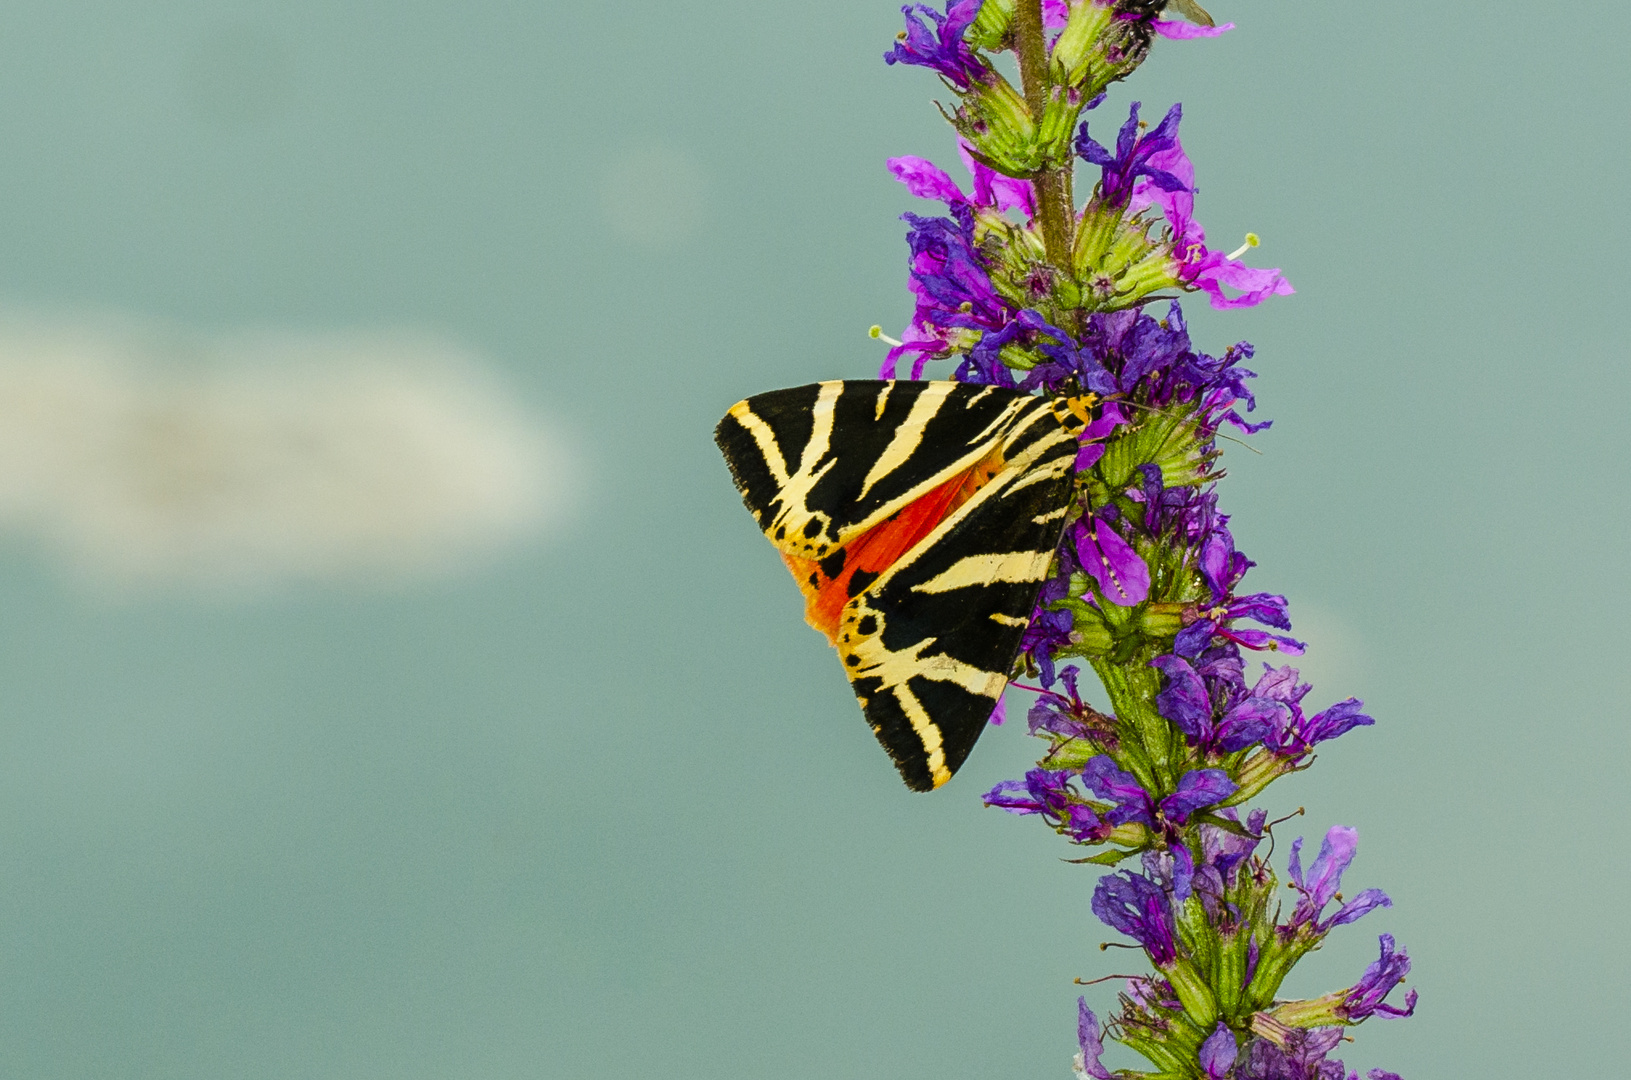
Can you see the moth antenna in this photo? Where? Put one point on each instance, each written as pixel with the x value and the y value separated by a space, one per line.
pixel 1106 978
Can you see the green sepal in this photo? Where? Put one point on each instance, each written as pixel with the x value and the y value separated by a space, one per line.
pixel 1230 979
pixel 1279 955
pixel 1316 1012
pixel 1200 1005
pixel 992 26
pixel 1073 49
pixel 1171 440
pixel 1218 821
pixel 1198 937
pixel 1260 770
pixel 1171 1062
pixel 1094 636
pixel 1105 858
pixel 1161 621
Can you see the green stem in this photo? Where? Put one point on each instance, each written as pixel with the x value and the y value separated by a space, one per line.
pixel 1054 207
pixel 1132 691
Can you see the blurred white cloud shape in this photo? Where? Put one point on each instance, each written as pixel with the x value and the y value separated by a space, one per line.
pixel 141 456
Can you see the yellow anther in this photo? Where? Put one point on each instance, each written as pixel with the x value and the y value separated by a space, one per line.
pixel 1251 242
pixel 877 332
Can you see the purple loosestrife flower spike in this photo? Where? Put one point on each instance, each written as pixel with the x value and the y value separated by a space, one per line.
pixel 941 48
pixel 1022 289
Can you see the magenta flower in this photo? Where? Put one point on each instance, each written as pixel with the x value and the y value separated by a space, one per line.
pixel 992 190
pixel 1198 266
pixel 1122 575
pixel 1179 30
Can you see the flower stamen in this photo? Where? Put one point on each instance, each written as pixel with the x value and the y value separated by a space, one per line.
pixel 1251 242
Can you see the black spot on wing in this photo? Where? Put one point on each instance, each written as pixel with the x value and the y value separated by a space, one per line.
pixel 833 564
pixel 859 581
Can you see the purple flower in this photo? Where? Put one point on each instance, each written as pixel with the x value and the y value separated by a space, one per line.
pixel 951 285
pixel 1047 631
pixel 1068 716
pixel 1222 851
pixel 1088 1061
pixel 941 48
pixel 1302 733
pixel 1122 575
pixel 1185 701
pixel 1048 793
pixel 1137 907
pixel 1324 881
pixel 1218 1053
pixel 1199 634
pixel 1366 997
pixel 1134 157
pixel 1093 436
pixel 1198 266
pixel 1221 565
pixel 1302 1058
pixel 1197 789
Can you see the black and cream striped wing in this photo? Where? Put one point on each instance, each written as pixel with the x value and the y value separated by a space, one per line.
pixel 920 520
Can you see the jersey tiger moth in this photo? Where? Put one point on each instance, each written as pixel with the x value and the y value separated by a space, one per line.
pixel 919 520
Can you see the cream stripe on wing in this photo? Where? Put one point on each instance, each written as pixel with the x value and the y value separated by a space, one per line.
pixel 908 434
pixel 1015 567
pixel 769 449
pixel 927 732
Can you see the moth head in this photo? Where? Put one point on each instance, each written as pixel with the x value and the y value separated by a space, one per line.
pixel 1078 410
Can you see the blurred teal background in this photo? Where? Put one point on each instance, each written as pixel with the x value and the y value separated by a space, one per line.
pixel 604 807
